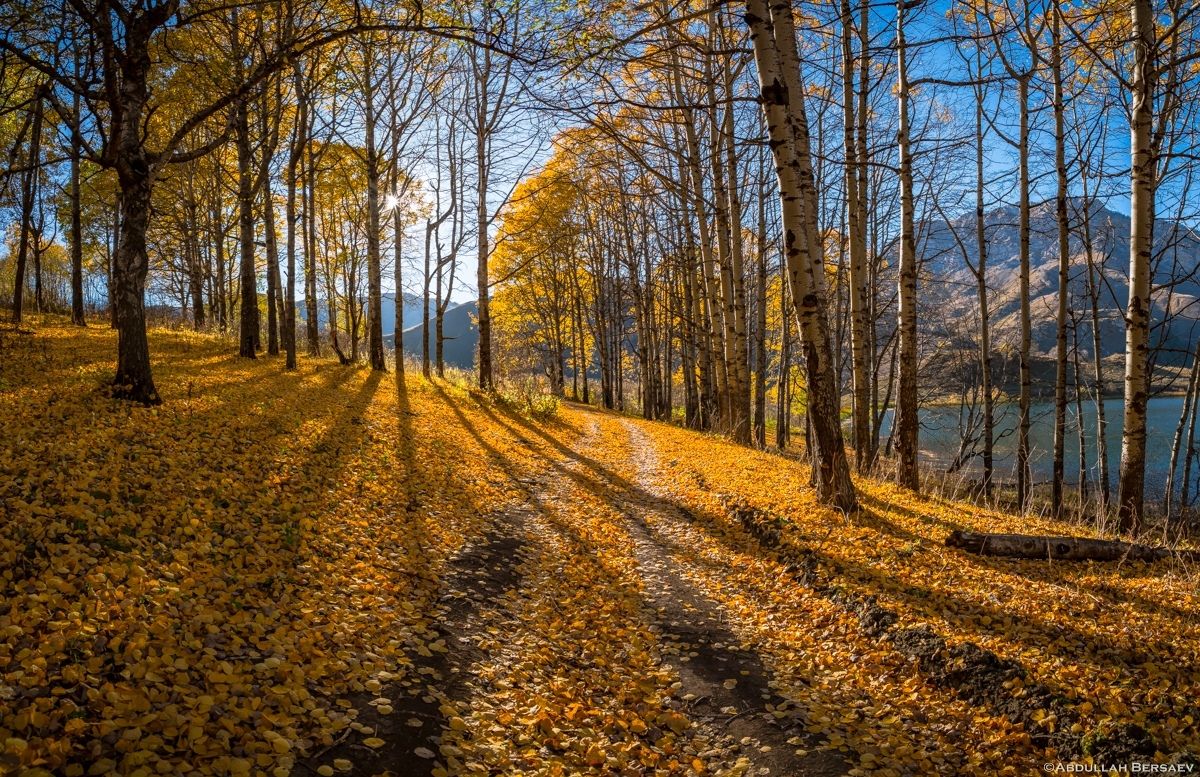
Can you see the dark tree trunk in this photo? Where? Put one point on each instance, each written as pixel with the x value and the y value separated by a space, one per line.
pixel 906 428
pixel 425 292
pixel 760 321
pixel 483 314
pixel 311 328
pixel 133 380
pixel 274 302
pixel 1025 399
pixel 1064 265
pixel 374 273
pixel 293 221
pixel 196 277
pixel 135 176
pixel 77 314
pixel 28 193
pixel 247 279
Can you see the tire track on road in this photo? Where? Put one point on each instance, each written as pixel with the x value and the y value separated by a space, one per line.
pixel 727 685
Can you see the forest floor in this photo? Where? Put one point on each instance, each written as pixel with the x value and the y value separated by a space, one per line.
pixel 334 571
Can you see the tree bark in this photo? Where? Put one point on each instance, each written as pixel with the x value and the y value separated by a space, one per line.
pixel 196 272
pixel 906 423
pixel 760 319
pixel 1025 398
pixel 247 278
pixel 1058 548
pixel 856 235
pixel 77 313
pixel 981 291
pixel 133 380
pixel 733 275
pixel 1064 265
pixel 482 244
pixel 295 159
pixel 28 195
pixel 135 177
pixel 312 328
pixel 271 240
pixel 708 291
pixel 374 269
pixel 1098 385
pixel 773 38
pixel 1141 227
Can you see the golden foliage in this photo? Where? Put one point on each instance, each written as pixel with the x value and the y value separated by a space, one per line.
pixel 196 586
pixel 208 586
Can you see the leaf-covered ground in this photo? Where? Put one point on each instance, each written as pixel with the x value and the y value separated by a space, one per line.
pixel 330 572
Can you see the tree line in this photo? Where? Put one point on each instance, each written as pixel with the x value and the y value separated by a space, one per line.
pixel 800 203
pixel 745 208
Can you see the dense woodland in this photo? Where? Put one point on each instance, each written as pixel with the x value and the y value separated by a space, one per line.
pixel 751 216
pixel 720 265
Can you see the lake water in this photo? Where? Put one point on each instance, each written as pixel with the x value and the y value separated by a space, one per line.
pixel 940 440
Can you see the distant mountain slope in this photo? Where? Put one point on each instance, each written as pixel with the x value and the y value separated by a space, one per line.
pixel 459 331
pixel 412 311
pixel 948 286
pixel 461 336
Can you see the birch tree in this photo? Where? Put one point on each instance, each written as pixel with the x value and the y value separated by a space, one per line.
pixel 772 36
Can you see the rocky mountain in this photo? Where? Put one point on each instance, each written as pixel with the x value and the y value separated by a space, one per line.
pixel 459 331
pixel 411 302
pixel 948 297
pixel 461 336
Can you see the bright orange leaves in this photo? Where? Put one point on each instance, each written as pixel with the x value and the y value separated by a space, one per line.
pixel 194 587
pixel 212 585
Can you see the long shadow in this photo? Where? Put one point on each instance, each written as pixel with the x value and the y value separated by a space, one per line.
pixel 1139 601
pixel 181 454
pixel 406 440
pixel 874 580
pixel 966 617
pixel 875 512
pixel 582 545
pixel 922 600
pixel 598 485
pixel 703 651
pixel 939 605
pixel 186 447
pixel 702 631
pixel 326 460
pixel 936 606
pixel 728 686
pixel 1094 649
pixel 472 584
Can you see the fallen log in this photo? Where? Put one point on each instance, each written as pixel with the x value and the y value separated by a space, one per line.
pixel 1060 548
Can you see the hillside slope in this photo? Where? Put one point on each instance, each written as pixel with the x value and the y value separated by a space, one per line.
pixel 459 332
pixel 949 296
pixel 329 572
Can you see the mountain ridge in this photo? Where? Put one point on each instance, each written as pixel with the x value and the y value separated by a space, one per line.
pixel 948 294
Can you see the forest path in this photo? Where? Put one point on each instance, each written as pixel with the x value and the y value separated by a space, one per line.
pixel 586 598
pixel 411 715
pixel 419 578
pixel 725 680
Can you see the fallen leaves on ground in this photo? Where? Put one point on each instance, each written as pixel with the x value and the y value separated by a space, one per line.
pixel 1123 640
pixel 197 588
pixel 211 586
